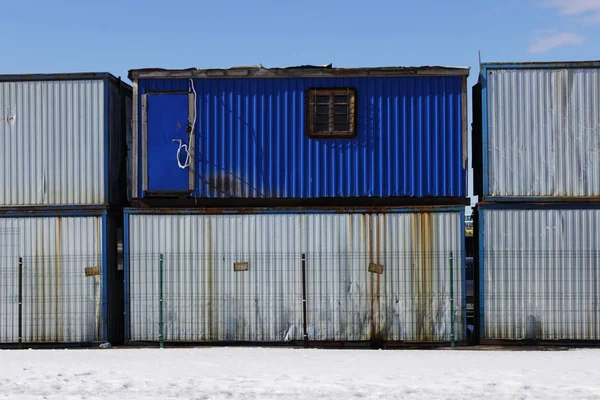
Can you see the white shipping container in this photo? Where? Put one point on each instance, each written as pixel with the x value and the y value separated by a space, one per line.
pixel 543 131
pixel 61 139
pixel 541 273
pixel 239 277
pixel 60 302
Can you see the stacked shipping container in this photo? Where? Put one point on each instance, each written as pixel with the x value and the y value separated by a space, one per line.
pixel 62 189
pixel 537 171
pixel 291 204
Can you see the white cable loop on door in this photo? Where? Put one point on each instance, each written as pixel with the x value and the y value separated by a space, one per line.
pixel 188 157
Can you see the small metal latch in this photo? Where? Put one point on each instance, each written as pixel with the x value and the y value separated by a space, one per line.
pixel 376 268
pixel 240 266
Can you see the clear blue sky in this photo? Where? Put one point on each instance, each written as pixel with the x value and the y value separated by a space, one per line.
pixel 115 36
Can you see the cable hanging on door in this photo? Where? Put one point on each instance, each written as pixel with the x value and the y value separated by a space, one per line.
pixel 188 157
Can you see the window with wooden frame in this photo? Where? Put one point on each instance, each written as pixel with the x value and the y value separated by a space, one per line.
pixel 331 113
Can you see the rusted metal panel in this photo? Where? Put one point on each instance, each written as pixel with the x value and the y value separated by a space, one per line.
pixel 61 301
pixel 540 272
pixel 540 131
pixel 408 301
pixel 407 298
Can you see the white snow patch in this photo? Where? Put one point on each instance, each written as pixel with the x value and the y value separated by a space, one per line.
pixel 276 373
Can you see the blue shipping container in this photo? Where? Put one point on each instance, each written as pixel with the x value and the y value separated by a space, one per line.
pixel 254 133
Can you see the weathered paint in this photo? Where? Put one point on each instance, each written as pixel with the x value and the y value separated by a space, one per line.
pixel 539 272
pixel 60 303
pixel 249 139
pixel 206 299
pixel 538 138
pixel 62 141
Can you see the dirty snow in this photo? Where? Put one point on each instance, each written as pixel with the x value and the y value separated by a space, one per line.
pixel 284 373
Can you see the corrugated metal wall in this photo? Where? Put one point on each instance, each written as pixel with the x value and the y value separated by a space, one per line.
pixel 541 270
pixel 206 300
pixel 60 304
pixel 543 132
pixel 52 143
pixel 251 143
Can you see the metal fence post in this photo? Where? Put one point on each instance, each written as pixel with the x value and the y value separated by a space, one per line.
pixel 305 337
pixel 20 302
pixel 452 344
pixel 160 304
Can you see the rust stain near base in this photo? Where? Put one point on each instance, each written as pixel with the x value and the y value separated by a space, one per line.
pixel 59 281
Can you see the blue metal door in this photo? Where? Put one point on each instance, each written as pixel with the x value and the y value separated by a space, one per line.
pixel 168 141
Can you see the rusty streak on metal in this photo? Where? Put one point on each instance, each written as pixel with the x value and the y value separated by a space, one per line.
pixel 212 328
pixel 59 314
pixel 305 330
pixel 369 232
pixel 20 302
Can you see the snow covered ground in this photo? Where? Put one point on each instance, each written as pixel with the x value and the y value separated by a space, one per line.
pixel 282 373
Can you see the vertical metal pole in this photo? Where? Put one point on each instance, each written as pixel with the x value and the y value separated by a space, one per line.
pixel 20 302
pixel 304 299
pixel 160 304
pixel 452 344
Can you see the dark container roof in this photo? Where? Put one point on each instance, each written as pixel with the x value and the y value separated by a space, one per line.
pixel 303 71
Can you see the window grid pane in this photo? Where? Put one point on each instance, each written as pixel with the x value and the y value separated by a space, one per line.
pixel 331 112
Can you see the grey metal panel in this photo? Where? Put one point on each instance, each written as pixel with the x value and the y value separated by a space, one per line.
pixel 541 274
pixel 60 304
pixel 544 132
pixel 52 143
pixel 207 300
pixel 409 301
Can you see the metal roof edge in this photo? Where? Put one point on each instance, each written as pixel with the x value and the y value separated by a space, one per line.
pixel 536 206
pixel 292 210
pixel 53 211
pixel 296 72
pixel 68 76
pixel 541 65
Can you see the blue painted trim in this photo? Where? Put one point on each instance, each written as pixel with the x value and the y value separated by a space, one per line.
pixel 464 273
pixel 104 239
pixel 53 212
pixel 127 303
pixel 107 149
pixel 481 266
pixel 539 206
pixel 139 139
pixel 342 210
pixel 484 133
pixel 541 65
